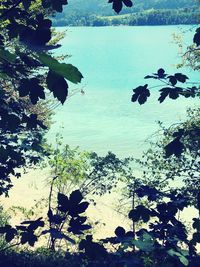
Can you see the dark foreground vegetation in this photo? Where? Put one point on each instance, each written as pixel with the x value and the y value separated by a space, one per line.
pixel 33 82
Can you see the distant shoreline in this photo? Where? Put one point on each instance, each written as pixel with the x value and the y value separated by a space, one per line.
pixel 123 25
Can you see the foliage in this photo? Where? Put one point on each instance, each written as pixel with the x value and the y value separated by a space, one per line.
pixel 28 74
pixel 190 55
pixel 90 173
pixel 4 219
pixel 182 170
pixel 173 87
pixel 67 211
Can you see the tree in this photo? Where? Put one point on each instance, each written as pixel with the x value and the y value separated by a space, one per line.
pixel 90 173
pixel 28 74
pixel 183 170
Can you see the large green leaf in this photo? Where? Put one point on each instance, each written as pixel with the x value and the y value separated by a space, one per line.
pixel 181 255
pixel 68 71
pixel 145 243
pixel 6 55
pixel 3 75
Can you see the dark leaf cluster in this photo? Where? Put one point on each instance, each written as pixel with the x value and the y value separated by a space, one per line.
pixel 118 4
pixel 172 89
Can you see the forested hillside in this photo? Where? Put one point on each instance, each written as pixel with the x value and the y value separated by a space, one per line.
pixel 147 12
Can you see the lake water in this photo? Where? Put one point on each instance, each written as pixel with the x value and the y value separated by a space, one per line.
pixel 113 61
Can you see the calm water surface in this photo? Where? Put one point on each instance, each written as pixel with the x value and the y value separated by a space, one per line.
pixel 113 61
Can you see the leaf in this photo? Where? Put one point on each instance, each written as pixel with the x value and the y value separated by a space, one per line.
pixel 6 55
pixel 128 3
pixel 76 226
pixel 33 225
pixel 63 203
pixel 57 84
pixel 150 77
pixel 161 73
pixel 10 234
pixel 172 80
pixel 28 237
pixel 9 231
pixel 82 207
pixel 181 257
pixel 3 75
pixel 76 197
pixel 117 4
pixel 180 77
pixel 68 71
pixel 196 38
pixel 171 92
pixel 196 237
pixel 145 243
pixel 140 212
pixel 152 193
pixel 12 122
pixel 55 233
pixel 141 93
pixel 55 4
pixel 32 88
pixel 175 147
pixel 26 4
pixel 120 232
pixel 134 215
pixel 198 201
pixel 196 224
pixel 29 61
pixel 32 122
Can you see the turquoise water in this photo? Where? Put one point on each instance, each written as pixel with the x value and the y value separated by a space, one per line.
pixel 113 61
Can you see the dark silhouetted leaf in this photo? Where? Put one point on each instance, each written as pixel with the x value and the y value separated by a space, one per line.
pixel 57 84
pixel 76 226
pixel 175 147
pixel 161 73
pixel 33 225
pixel 26 4
pixel 171 92
pixel 196 224
pixel 76 197
pixel 32 88
pixel 172 80
pixel 196 38
pixel 56 5
pixel 63 203
pixel 150 77
pixel 180 77
pixel 141 93
pixel 82 207
pixel 9 232
pixel 118 4
pixel 140 212
pixel 28 237
pixel 55 233
pixel 120 232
